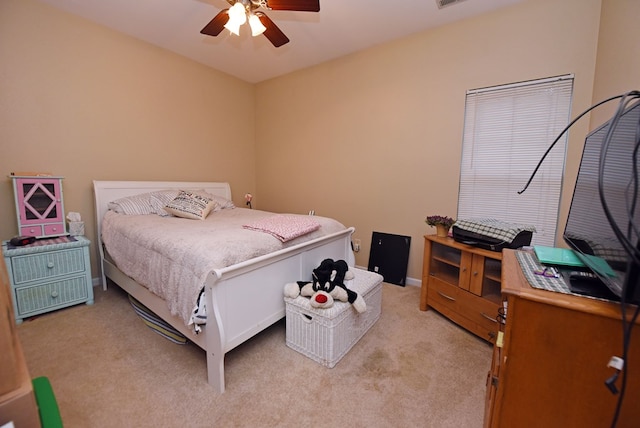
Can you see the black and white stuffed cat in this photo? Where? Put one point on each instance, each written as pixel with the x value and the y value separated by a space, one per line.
pixel 327 286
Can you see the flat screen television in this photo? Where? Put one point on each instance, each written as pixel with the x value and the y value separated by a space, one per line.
pixel 606 249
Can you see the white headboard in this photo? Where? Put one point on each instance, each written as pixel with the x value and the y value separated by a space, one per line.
pixel 107 191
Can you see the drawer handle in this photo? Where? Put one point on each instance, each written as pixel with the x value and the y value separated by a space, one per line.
pixel 489 318
pixel 50 265
pixel 494 381
pixel 447 297
pixel 54 294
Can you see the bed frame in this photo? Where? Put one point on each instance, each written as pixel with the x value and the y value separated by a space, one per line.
pixel 242 299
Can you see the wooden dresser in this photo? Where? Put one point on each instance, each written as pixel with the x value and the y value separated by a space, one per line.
pixel 549 367
pixel 17 399
pixel 462 283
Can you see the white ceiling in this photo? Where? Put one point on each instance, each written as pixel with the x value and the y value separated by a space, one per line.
pixel 340 28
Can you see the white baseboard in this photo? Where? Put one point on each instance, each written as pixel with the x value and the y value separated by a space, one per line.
pixel 410 281
pixel 414 282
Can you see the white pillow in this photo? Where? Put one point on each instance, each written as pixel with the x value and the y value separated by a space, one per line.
pixel 190 205
pixel 132 205
pixel 222 203
pixel 155 202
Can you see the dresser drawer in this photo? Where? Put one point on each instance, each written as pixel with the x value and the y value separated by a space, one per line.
pixel 443 295
pixel 481 311
pixel 51 295
pixel 32 267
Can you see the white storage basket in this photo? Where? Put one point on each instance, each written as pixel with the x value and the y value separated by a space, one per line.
pixel 326 335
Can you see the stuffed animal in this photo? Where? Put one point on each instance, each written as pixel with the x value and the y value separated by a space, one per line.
pixel 327 286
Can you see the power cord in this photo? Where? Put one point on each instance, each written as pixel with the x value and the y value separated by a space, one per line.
pixel 618 364
pixel 625 238
pixel 535 171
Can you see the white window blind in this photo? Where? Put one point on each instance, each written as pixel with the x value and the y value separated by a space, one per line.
pixel 507 129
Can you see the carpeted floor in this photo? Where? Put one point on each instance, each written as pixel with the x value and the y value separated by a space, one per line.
pixel 412 369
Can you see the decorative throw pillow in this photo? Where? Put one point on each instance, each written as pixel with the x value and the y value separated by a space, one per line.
pixel 222 203
pixel 190 205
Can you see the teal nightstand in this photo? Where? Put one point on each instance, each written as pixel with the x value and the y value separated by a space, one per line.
pixel 49 274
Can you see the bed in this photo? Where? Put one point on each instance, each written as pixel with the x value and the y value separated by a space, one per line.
pixel 242 299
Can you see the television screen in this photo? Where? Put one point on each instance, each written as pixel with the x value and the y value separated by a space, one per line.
pixel 588 229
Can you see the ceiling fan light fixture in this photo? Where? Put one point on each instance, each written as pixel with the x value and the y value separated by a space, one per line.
pixel 237 17
pixel 256 26
pixel 233 27
pixel 238 12
pixel 242 11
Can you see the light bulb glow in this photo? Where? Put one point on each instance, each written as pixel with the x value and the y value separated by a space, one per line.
pixel 237 17
pixel 256 26
pixel 233 28
pixel 238 13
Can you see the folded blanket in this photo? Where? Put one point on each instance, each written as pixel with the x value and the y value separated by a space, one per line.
pixel 285 227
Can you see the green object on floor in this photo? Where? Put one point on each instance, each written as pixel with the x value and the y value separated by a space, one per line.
pixel 47 404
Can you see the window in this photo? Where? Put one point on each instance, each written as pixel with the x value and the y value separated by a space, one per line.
pixel 507 130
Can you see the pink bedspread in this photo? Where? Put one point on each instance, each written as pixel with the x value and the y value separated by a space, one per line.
pixel 285 227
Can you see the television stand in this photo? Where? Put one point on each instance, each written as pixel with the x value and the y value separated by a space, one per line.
pixel 550 363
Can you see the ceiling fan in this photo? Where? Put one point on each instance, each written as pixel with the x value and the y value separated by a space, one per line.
pixel 242 11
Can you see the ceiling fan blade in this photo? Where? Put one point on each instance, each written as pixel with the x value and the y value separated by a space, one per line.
pixel 297 5
pixel 216 25
pixel 273 33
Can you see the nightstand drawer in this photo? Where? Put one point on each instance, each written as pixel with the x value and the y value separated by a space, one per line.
pixel 33 267
pixel 51 295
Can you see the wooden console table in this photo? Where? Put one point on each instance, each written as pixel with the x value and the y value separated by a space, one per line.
pixel 462 282
pixel 550 367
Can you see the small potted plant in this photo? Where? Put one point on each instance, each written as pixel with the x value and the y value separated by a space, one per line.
pixel 441 223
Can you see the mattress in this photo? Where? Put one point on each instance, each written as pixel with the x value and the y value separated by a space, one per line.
pixel 172 256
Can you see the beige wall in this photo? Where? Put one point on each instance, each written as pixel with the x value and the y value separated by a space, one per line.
pixel 618 65
pixel 617 71
pixel 89 104
pixel 374 139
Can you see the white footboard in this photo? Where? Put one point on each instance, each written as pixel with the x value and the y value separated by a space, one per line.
pixel 248 297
